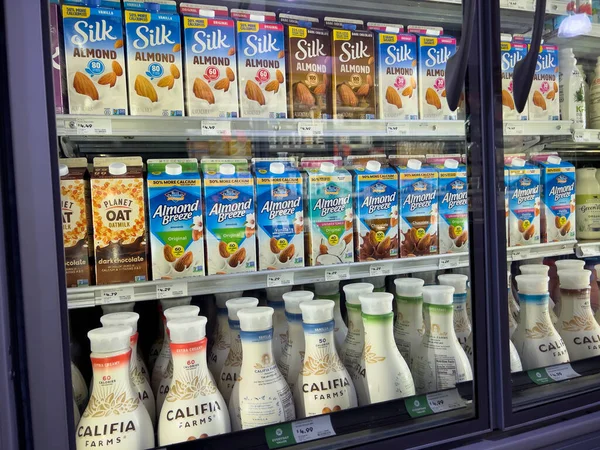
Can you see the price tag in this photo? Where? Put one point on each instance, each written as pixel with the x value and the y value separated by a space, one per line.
pixel 216 128
pixel 519 254
pixel 285 434
pixel 280 279
pixel 171 290
pixel 514 129
pixel 580 136
pixel 380 270
pixel 310 129
pixel 397 129
pixel 84 127
pixel 118 295
pixel 561 372
pixel 425 405
pixel 588 251
pixel 342 273
pixel 449 262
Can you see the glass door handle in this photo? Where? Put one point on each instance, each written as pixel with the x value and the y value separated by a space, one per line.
pixel 524 69
pixel 456 66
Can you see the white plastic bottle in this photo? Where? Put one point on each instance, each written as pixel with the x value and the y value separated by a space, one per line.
pixel 193 408
pixel 440 362
pixel 542 270
pixel 80 390
pixel 563 264
pixel 387 375
pixel 571 89
pixel 275 301
pixel 594 103
pixel 409 326
pixel 587 200
pixel 330 290
pixel 114 417
pixel 222 334
pixel 140 383
pixel 462 324
pixel 537 341
pixel 264 395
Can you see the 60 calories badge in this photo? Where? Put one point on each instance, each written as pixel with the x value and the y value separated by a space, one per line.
pixel 440 84
pixel 211 73
pixel 262 76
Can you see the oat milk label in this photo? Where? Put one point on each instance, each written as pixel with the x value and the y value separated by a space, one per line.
pixel 558 201
pixel 511 54
pixel 524 205
pixel 453 208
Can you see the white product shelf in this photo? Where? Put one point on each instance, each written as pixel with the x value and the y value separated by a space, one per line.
pixel 540 250
pixel 84 297
pixel 585 46
pixel 537 128
pixel 587 249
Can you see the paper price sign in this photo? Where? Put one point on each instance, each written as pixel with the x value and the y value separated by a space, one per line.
pixel 216 128
pixel 587 251
pixel 522 253
pixel 84 127
pixel 171 290
pixel 280 279
pixel 552 374
pixel 449 262
pixel 310 129
pixel 514 129
pixel 343 273
pixel 118 295
pixel 425 405
pixel 397 129
pixel 286 434
pixel 377 270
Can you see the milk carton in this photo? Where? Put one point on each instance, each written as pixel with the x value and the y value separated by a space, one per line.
pixel 261 64
pixel 376 210
pixel 398 95
pixel 511 53
pixel 328 212
pixel 418 209
pixel 229 218
pixel 280 214
pixel 543 97
pixel 94 56
pixel 433 54
pixel 523 188
pixel 59 80
pixel 119 221
pixel 154 58
pixel 175 218
pixel 210 61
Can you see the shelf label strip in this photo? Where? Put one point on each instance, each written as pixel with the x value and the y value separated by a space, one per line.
pixel 280 279
pixel 342 273
pixel 90 127
pixel 119 295
pixel 552 374
pixel 171 290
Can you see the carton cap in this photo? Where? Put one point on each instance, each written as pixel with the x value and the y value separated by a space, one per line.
pixel 376 303
pixel 569 264
pixel 414 164
pixel 117 168
pixel 327 167
pixel 438 295
pixel 277 167
pixel 275 294
pixel 409 287
pixel 317 311
pixel 534 269
pixel 459 282
pixel 553 159
pixel 373 166
pixel 181 311
pixel 222 297
pixel 63 170
pixel 532 284
pixel 110 339
pixel 121 318
pixel 187 329
pixel 293 299
pixel 206 13
pixel 451 163
pixel 227 169
pixel 173 169
pixel 256 319
pixel 236 304
pixel 574 279
pixel 171 302
pixel 355 290
pixel 118 307
pixel 518 162
pixel 327 288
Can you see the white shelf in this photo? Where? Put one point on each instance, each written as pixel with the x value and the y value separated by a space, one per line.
pixel 587 249
pixel 540 250
pixel 83 297
pixel 537 128
pixel 586 46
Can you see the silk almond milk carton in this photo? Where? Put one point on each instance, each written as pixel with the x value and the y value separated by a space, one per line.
pixel 210 61
pixel 511 53
pixel 543 96
pixel 279 212
pixel 353 67
pixel 175 218
pixel 523 203
pixel 229 219
pixel 94 56
pixel 119 220
pixel 261 64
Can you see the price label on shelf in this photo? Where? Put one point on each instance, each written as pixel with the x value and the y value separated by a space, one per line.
pixel 397 129
pixel 85 127
pixel 170 290
pixel 449 262
pixel 552 374
pixel 310 129
pixel 341 273
pixel 587 251
pixel 280 279
pixel 118 295
pixel 379 270
pixel 286 434
pixel 437 402
pixel 514 129
pixel 520 253
pixel 216 128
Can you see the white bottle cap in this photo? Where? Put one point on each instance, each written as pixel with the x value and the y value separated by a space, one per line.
pixel 518 162
pixel 373 166
pixel 256 319
pixel 376 303
pixel 553 159
pixel 293 299
pixel 459 282
pixel 117 168
pixel 118 307
pixel 534 269
pixel 178 312
pixel 187 329
pixel 317 311
pixel 222 297
pixel 532 284
pixel 409 287
pixel 227 169
pixel 173 169
pixel 277 168
pixel 171 302
pixel 327 288
pixel 275 294
pixel 377 282
pixel 569 264
pixel 327 167
pixel 121 318
pixel 438 295
pixel 236 304
pixel 109 339
pixel 414 164
pixel 574 279
pixel 451 163
pixel 63 170
pixel 354 290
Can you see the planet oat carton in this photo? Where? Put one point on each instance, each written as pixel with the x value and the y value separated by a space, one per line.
pixel 229 218
pixel 511 53
pixel 523 191
pixel 175 218
pixel 154 58
pixel 210 61
pixel 94 57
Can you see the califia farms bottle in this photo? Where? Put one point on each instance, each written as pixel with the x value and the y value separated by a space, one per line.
pixel 222 334
pixel 409 326
pixel 462 324
pixel 275 301
pixel 330 290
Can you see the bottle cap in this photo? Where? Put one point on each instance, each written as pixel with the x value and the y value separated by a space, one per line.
pixel 534 269
pixel 110 339
pixel 173 169
pixel 63 170
pixel 327 167
pixel 171 302
pixel 414 164
pixel 451 163
pixel 317 311
pixel 376 303
pixel 354 290
pixel 532 284
pixel 187 329
pixel 327 288
pixel 574 279
pixel 121 318
pixel 553 159
pixel 259 318
pixel 277 168
pixel 459 282
pixel 373 166
pixel 117 168
pixel 517 162
pixel 569 264
pixel 409 287
pixel 275 294
pixel 117 307
pixel 294 298
pixel 438 295
pixel 178 312
pixel 222 297
pixel 377 282
pixel 236 304
pixel 227 169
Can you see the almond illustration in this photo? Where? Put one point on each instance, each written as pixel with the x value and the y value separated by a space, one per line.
pixel 452 232
pixel 539 101
pixel 432 98
pixel 424 243
pixel 322 249
pixel 203 91
pixel 175 71
pixel 363 91
pixel 168 253
pixel 231 52
pixel 320 89
pixel 223 250
pixel 555 87
pixel 144 88
pixel 326 410
pixel 222 84
pixel 116 67
pixel 520 226
pixel 108 78
pixel 336 408
pixel 348 238
pixel 196 235
pixel 253 92
pixel 370 80
pixel 444 93
pixel 84 86
pixel 273 245
pixel 279 75
pixel 287 254
pixel 384 246
pixel 167 81
pixel 566 228
pixel 392 97
pixel 280 55
pixel 371 61
pixel 184 262
pixel 413 82
pixel 119 43
pixel 460 241
pixel 557 222
pixel 237 258
pixel 229 73
pixel 407 91
pixel 304 95
pixel 507 100
pixel 529 232
pixel 176 48
pixel 551 95
pixel 347 95
pixel 272 86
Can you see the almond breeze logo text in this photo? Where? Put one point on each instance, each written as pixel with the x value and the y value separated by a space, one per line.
pixel 379 203
pixel 334 205
pixel 282 208
pixel 453 199
pixel 232 211
pixel 527 194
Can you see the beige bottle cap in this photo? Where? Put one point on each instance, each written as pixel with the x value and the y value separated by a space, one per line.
pixel 121 318
pixel 222 297
pixel 376 303
pixel 118 307
pixel 327 288
pixel 327 167
pixel 178 312
pixel 451 163
pixel 187 329
pixel 275 294
pixel 354 290
pixel 317 311
pixel 414 164
pixel 173 169
pixel 532 284
pixel 377 282
pixel 256 319
pixel 110 339
pixel 117 168
pixel 534 269
pixel 569 264
pixel 373 166
pixel 277 168
pixel 553 159
pixel 63 170
pixel 574 279
pixel 438 295
pixel 236 304
pixel 409 287
pixel 293 299
pixel 171 302
pixel 459 282
pixel 227 169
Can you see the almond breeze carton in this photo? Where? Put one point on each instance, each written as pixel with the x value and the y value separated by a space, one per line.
pixel 511 53
pixel 154 58
pixel 210 61
pixel 229 219
pixel 94 56
pixel 280 214
pixel 543 97
pixel 523 190
pixel 175 218
pixel 261 64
